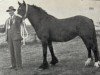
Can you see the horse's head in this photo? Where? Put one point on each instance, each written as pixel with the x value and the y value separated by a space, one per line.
pixel 22 9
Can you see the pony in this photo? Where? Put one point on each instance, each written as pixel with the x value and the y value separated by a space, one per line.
pixel 50 29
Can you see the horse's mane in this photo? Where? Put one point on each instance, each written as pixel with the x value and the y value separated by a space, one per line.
pixel 43 12
pixel 39 9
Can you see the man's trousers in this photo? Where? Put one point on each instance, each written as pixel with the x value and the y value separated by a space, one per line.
pixel 15 51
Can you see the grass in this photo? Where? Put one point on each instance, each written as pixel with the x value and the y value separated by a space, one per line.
pixel 71 55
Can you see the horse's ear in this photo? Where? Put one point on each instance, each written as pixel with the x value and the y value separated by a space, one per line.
pixel 19 3
pixel 24 2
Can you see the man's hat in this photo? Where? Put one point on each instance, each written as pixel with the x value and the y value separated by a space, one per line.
pixel 10 9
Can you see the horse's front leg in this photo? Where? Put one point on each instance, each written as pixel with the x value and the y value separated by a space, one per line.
pixel 54 58
pixel 44 65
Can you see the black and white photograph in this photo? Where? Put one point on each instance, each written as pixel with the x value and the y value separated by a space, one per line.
pixel 49 37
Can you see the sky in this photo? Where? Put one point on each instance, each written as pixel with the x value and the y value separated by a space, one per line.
pixel 57 8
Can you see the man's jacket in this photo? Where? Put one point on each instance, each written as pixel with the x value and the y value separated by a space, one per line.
pixel 13 29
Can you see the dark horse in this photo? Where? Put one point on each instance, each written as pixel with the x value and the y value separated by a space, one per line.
pixel 49 29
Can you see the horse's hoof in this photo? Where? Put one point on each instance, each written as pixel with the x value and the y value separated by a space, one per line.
pixel 54 62
pixel 44 66
pixel 88 62
pixel 97 64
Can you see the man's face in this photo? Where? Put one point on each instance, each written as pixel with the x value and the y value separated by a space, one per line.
pixel 11 13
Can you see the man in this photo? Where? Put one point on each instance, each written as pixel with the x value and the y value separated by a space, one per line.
pixel 12 29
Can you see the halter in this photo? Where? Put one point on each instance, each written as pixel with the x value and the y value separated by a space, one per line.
pixel 23 27
pixel 25 12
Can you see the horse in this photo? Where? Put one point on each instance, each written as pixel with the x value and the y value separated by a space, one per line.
pixel 50 29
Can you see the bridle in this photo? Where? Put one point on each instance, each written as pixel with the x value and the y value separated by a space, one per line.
pixel 24 17
pixel 25 12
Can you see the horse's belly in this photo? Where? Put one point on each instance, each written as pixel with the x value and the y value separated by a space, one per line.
pixel 63 38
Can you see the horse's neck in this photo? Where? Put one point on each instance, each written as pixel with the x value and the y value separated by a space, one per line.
pixel 36 26
pixel 35 21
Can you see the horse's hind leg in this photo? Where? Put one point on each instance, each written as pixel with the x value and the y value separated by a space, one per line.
pixel 54 58
pixel 91 44
pixel 96 52
pixel 87 43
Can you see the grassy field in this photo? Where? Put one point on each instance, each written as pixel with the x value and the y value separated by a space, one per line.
pixel 71 55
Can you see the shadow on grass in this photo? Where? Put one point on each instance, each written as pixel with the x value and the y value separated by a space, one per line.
pixel 33 43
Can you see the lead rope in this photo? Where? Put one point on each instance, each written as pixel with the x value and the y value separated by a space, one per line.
pixel 23 27
pixel 24 32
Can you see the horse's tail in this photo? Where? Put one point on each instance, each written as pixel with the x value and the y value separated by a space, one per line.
pixel 94 33
pixel 92 21
pixel 95 44
pixel 95 37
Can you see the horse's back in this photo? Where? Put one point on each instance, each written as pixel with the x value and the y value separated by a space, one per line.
pixel 63 29
pixel 69 28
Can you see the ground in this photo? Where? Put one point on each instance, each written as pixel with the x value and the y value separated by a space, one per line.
pixel 71 55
